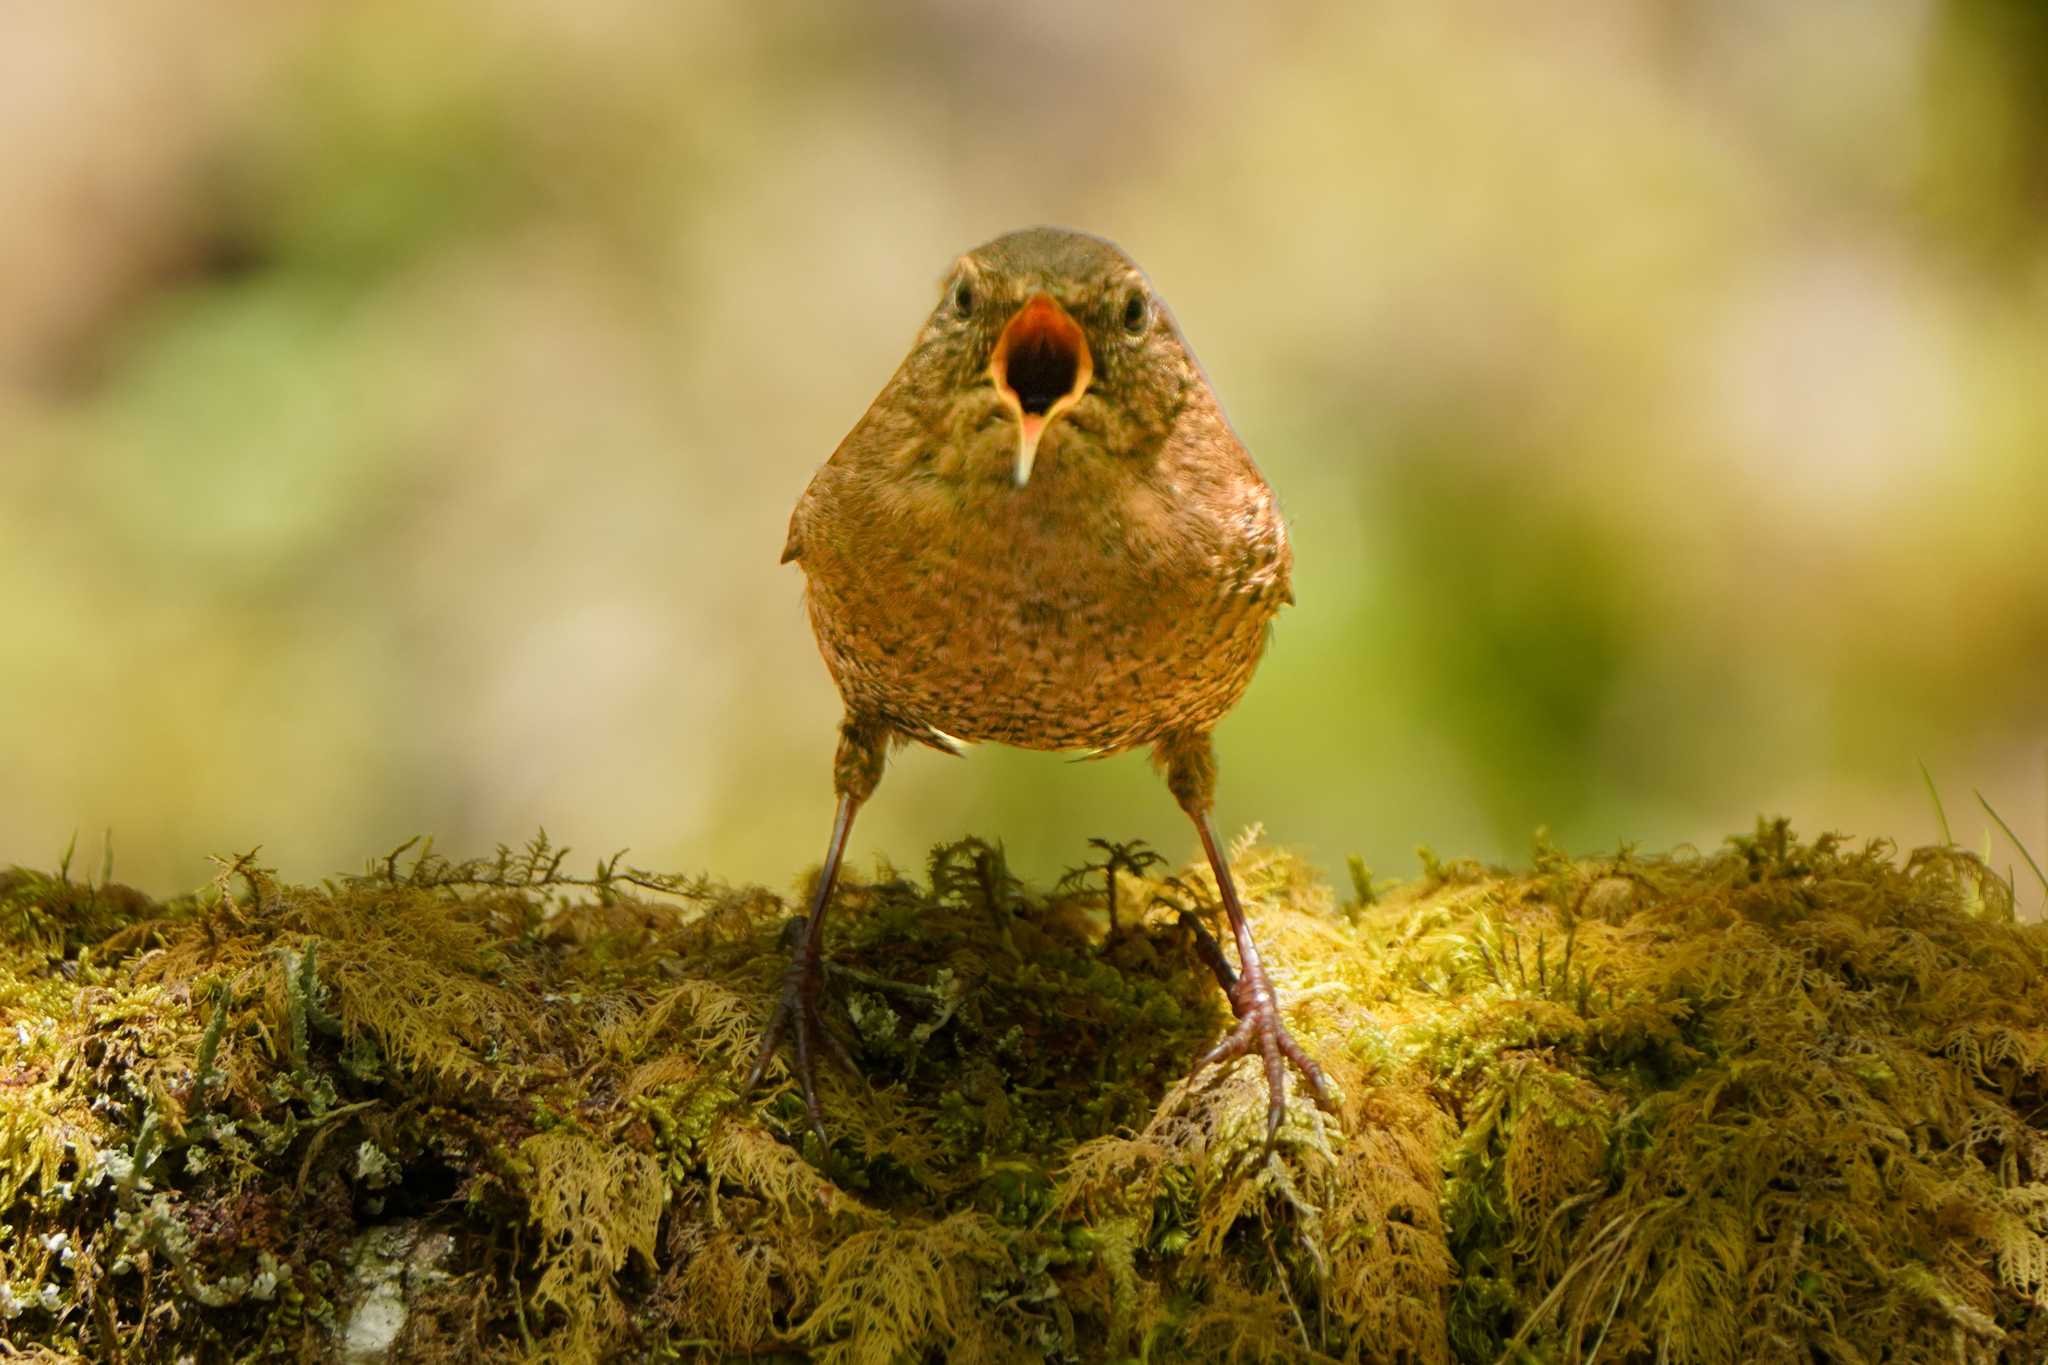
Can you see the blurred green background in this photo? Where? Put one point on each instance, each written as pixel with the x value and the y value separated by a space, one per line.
pixel 401 406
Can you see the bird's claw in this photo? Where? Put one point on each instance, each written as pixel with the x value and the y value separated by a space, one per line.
pixel 796 1013
pixel 1261 1032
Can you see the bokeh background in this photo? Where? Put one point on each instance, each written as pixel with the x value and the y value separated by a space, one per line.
pixel 401 405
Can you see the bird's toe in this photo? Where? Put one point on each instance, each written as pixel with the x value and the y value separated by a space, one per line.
pixel 1261 1032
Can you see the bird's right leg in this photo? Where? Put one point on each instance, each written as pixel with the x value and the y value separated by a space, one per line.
pixel 863 748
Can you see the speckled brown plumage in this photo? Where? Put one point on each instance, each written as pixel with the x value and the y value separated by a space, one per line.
pixel 1121 595
pixel 1044 533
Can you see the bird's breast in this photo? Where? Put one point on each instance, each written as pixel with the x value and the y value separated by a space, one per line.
pixel 1051 616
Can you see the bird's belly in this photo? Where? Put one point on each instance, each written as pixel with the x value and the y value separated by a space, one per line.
pixel 1064 654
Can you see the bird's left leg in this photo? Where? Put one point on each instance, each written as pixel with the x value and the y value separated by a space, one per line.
pixel 1191 776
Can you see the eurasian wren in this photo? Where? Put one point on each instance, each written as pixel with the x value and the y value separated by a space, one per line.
pixel 1043 532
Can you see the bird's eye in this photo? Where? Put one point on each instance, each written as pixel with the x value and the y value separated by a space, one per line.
pixel 963 299
pixel 1137 313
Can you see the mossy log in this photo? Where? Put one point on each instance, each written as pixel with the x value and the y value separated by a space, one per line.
pixel 1787 1101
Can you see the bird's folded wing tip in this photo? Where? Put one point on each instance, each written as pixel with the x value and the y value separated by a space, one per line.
pixel 952 744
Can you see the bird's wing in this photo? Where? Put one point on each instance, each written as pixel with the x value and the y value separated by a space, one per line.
pixel 1283 565
pixel 1265 561
pixel 800 518
pixel 829 486
pixel 1236 516
pixel 933 737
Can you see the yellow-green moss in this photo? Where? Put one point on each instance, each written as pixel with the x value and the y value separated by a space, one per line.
pixel 1785 1101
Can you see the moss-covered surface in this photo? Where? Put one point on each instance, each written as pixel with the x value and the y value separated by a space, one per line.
pixel 1786 1101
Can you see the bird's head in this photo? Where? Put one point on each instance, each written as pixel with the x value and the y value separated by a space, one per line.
pixel 1044 329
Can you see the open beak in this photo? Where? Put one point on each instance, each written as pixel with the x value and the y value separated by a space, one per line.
pixel 1041 368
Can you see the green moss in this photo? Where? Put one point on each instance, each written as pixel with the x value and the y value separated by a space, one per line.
pixel 1782 1101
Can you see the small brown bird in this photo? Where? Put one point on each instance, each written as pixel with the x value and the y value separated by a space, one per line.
pixel 1043 532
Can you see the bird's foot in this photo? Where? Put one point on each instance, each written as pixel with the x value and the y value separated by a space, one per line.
pixel 796 1013
pixel 1261 1033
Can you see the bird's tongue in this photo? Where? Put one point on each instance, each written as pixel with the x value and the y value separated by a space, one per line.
pixel 1041 367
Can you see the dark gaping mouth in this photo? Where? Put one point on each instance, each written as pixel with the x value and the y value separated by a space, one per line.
pixel 1040 355
pixel 1041 367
